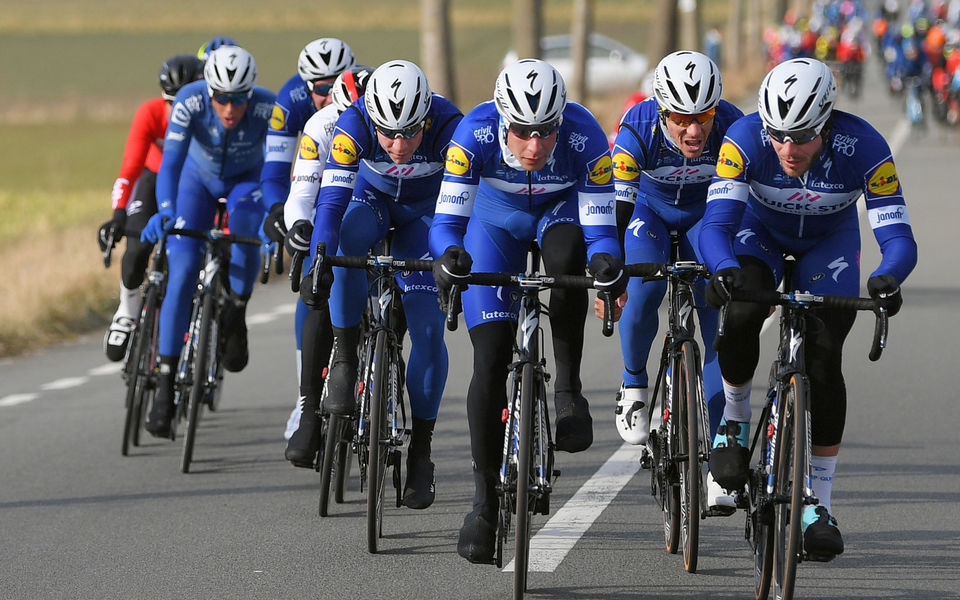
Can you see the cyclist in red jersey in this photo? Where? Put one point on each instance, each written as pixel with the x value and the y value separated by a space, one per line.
pixel 134 197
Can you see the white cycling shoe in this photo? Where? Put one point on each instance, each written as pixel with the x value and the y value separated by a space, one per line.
pixel 632 417
pixel 719 501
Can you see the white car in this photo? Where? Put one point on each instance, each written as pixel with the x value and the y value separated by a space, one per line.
pixel 611 66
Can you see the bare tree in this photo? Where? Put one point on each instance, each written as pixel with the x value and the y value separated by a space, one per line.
pixel 582 26
pixel 436 47
pixel 527 27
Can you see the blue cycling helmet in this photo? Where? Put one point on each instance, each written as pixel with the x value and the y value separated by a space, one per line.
pixel 213 44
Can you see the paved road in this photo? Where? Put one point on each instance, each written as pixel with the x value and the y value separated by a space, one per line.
pixel 77 520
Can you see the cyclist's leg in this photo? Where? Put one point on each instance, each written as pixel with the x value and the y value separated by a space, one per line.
pixel 245 206
pixel 299 317
pixel 317 340
pixel 646 240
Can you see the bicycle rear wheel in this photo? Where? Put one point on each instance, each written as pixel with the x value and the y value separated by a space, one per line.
pixel 760 520
pixel 526 484
pixel 136 371
pixel 333 463
pixel 789 487
pixel 689 400
pixel 198 389
pixel 379 442
pixel 670 447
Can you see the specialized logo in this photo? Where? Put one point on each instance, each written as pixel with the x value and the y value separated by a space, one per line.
pixel 308 148
pixel 278 118
pixel 837 266
pixel 635 226
pixel 625 167
pixel 745 234
pixel 343 150
pixel 884 181
pixel 601 171
pixel 730 162
pixel 457 161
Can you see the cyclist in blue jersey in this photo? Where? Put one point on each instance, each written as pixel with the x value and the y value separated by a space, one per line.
pixel 383 172
pixel 664 156
pixel 317 335
pixel 213 149
pixel 788 179
pixel 212 44
pixel 526 166
pixel 318 65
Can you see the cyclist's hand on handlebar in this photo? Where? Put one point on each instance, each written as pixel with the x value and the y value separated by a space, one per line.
pixel 721 284
pixel 273 226
pixel 617 306
pixel 607 271
pixel 112 229
pixel 324 282
pixel 298 238
pixel 886 288
pixel 158 224
pixel 452 268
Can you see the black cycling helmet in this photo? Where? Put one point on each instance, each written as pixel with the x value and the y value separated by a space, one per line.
pixel 177 71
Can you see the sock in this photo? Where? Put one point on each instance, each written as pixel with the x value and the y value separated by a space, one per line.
pixel 821 478
pixel 129 301
pixel 738 402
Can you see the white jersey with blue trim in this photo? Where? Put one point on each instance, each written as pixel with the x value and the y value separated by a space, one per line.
pixel 195 129
pixel 484 180
pixel 293 108
pixel 855 161
pixel 311 157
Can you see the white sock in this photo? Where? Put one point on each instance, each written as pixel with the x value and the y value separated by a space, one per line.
pixel 821 478
pixel 737 407
pixel 129 301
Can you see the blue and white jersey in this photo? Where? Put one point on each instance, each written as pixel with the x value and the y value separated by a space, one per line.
pixel 650 169
pixel 355 146
pixel 798 211
pixel 293 108
pixel 195 130
pixel 483 180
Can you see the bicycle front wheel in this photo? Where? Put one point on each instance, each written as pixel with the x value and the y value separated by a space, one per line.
pixel 789 487
pixel 690 400
pixel 138 371
pixel 667 464
pixel 331 437
pixel 379 442
pixel 526 485
pixel 198 389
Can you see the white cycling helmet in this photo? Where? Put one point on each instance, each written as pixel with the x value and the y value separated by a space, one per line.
pixel 797 94
pixel 325 57
pixel 350 85
pixel 230 69
pixel 530 92
pixel 398 96
pixel 687 82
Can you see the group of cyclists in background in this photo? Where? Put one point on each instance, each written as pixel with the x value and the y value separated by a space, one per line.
pixel 345 153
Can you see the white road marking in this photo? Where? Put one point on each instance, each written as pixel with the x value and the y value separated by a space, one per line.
pixel 64 383
pixel 14 399
pixel 555 540
pixel 107 369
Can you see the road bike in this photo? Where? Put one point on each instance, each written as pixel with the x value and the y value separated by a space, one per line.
pixel 200 369
pixel 679 449
pixel 378 430
pixel 527 470
pixel 778 488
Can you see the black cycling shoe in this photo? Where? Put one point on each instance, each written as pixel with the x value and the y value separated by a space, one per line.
pixel 420 489
pixel 235 352
pixel 478 536
pixel 821 537
pixel 341 389
pixel 161 413
pixel 730 456
pixel 574 424
pixel 304 444
pixel 118 337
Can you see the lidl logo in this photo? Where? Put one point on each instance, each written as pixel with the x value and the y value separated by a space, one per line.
pixel 308 148
pixel 457 161
pixel 602 171
pixel 625 167
pixel 343 150
pixel 884 180
pixel 729 163
pixel 278 119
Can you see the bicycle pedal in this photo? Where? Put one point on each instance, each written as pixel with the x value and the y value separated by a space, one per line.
pixel 555 473
pixel 646 461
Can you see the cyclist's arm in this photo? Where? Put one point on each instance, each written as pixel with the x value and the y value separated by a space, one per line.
pixel 595 188
pixel 147 127
pixel 339 176
pixel 727 199
pixel 281 147
pixel 186 108
pixel 458 189
pixel 888 217
pixel 312 153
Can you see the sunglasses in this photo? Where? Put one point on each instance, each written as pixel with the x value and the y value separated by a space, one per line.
pixel 525 132
pixel 405 133
pixel 321 89
pixel 684 120
pixel 236 98
pixel 801 136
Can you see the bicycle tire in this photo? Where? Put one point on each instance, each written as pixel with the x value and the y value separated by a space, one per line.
pixel 378 455
pixel 792 448
pixel 327 462
pixel 526 490
pixel 671 488
pixel 135 372
pixel 342 466
pixel 691 477
pixel 198 388
pixel 150 324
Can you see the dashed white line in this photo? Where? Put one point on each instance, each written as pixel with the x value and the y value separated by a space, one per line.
pixel 14 399
pixel 64 383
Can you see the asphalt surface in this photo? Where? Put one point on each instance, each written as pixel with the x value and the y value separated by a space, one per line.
pixel 78 520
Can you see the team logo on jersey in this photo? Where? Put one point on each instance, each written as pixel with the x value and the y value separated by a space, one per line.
pixel 343 150
pixel 458 163
pixel 625 168
pixel 729 162
pixel 278 118
pixel 601 170
pixel 308 148
pixel 884 180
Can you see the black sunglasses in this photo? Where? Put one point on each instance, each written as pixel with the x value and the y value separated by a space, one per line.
pixel 525 132
pixel 321 89
pixel 405 132
pixel 800 136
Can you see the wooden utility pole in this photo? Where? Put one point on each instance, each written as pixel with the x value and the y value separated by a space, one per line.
pixel 691 29
pixel 663 38
pixel 527 27
pixel 733 48
pixel 582 25
pixel 436 47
